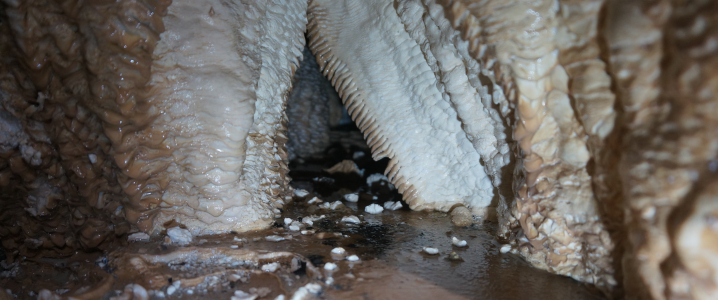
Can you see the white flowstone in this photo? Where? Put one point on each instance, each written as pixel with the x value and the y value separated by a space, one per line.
pixel 138 237
pixel 374 209
pixel 353 197
pixel 179 236
pixel 351 219
pixel 300 193
pixel 432 251
pixel 270 267
pixel 458 242
pixel 392 205
pixel 330 266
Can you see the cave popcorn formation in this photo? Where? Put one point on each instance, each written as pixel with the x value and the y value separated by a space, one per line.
pixel 587 129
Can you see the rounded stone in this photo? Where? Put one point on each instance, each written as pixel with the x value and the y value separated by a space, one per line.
pixel 461 216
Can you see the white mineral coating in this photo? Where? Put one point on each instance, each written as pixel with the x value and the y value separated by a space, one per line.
pixel 432 251
pixel 274 238
pixel 330 266
pixel 270 267
pixel 294 227
pixel 307 292
pixel 300 193
pixel 392 205
pixel 288 221
pixel 315 200
pixel 458 242
pixel 505 248
pixel 241 295
pixel 138 237
pixel 351 219
pixel 353 197
pixel 179 236
pixel 374 209
pixel 353 258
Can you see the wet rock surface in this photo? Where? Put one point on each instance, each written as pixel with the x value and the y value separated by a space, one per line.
pixel 309 252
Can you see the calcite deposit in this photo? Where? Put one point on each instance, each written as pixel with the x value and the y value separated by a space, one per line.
pixel 588 129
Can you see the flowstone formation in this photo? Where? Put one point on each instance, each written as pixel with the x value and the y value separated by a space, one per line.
pixel 586 129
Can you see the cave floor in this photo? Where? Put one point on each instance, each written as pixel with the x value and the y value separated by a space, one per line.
pixel 389 245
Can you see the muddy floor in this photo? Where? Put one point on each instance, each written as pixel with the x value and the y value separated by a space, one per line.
pixel 325 246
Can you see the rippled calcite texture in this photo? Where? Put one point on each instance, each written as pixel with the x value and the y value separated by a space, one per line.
pixel 395 91
pixel 544 56
pixel 664 56
pixel 123 115
pixel 212 157
pixel 60 189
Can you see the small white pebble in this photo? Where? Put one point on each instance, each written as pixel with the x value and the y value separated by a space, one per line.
pixel 92 157
pixel 280 297
pixel 339 250
pixel 432 251
pixel 374 209
pixel 288 221
pixel 294 227
pixel 330 266
pixel 458 242
pixel 336 204
pixel 177 283
pixel 190 292
pixel 353 197
pixel 234 246
pixel 315 200
pixel 351 219
pixel 138 237
pixel 374 198
pixel 300 193
pixel 171 290
pixel 236 239
pixel 353 258
pixel 505 248
pixel 274 238
pixel 271 267
pixel 392 205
